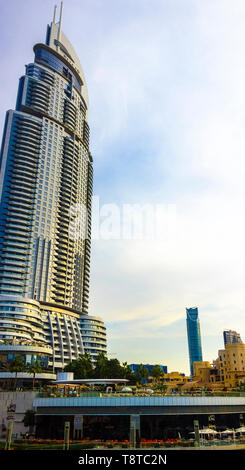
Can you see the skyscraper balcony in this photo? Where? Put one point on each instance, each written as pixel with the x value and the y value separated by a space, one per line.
pixel 46 166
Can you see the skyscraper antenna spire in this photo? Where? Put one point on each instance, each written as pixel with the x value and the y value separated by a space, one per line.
pixel 60 22
pixel 37 273
pixel 55 9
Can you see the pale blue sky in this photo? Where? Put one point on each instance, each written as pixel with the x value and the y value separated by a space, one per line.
pixel 167 116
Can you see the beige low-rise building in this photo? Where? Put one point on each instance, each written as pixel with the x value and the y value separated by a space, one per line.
pixel 174 380
pixel 201 371
pixel 232 364
pixel 228 370
pixel 206 374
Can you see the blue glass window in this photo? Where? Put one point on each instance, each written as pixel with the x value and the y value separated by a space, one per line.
pixel 47 58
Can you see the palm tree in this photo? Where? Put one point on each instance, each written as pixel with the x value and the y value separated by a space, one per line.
pixel 242 387
pixel 126 371
pixel 81 367
pixel 29 420
pixel 160 387
pixel 34 368
pixel 101 366
pixel 156 372
pixel 142 373
pixel 17 365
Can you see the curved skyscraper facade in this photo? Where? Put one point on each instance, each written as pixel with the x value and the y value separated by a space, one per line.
pixel 194 336
pixel 45 216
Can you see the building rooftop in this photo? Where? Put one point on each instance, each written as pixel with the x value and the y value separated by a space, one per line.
pixel 89 381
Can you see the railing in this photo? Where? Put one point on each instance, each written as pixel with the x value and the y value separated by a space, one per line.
pixel 67 392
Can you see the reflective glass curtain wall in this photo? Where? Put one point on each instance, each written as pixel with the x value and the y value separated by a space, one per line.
pixel 46 189
pixel 194 336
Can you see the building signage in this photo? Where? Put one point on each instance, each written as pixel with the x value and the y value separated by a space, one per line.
pixel 78 422
pixel 11 411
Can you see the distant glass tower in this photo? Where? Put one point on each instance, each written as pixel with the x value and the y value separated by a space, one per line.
pixel 194 336
pixel 231 337
pixel 46 195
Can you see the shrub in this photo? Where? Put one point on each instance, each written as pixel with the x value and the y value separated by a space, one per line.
pixel 87 445
pixel 186 443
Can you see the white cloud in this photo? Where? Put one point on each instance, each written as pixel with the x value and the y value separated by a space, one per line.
pixel 174 81
pixel 169 80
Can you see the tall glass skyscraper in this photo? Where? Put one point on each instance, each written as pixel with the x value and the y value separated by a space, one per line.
pixel 231 336
pixel 194 336
pixel 45 216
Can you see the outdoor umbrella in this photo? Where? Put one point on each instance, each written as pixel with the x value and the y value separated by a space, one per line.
pixel 126 389
pixel 241 430
pixel 207 431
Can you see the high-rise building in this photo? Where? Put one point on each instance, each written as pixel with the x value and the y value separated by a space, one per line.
pixel 194 336
pixel 231 337
pixel 45 216
pixel 231 364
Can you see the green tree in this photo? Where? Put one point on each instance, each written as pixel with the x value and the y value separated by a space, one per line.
pixel 156 372
pixel 160 387
pixel 17 365
pixel 114 369
pixel 104 368
pixel 29 420
pixel 142 373
pixel 34 368
pixel 101 369
pixel 126 369
pixel 128 373
pixel 81 367
pixel 242 387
